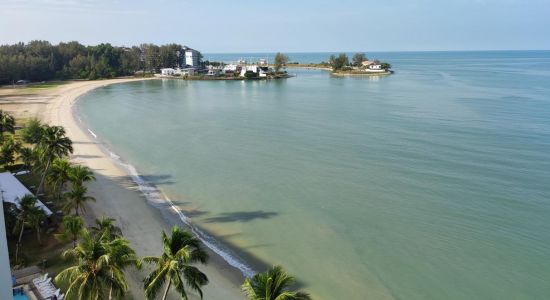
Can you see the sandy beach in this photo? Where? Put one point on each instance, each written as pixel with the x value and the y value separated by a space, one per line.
pixel 116 194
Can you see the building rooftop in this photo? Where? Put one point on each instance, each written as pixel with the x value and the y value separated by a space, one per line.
pixel 12 190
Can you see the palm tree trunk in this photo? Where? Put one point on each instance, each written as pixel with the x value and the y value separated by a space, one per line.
pixel 167 288
pixel 38 235
pixel 60 191
pixel 43 176
pixel 19 243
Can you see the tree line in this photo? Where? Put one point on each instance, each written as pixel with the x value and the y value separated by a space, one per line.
pixel 100 254
pixel 342 61
pixel 40 60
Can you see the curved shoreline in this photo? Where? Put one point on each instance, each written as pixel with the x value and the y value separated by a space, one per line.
pixel 157 198
pixel 121 197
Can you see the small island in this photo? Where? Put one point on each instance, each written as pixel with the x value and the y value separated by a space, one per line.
pixel 341 66
pixel 359 65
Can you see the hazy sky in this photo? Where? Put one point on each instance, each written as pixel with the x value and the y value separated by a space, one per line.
pixel 284 25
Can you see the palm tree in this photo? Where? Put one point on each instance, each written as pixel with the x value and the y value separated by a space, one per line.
pixel 59 174
pixel 99 269
pixel 27 156
pixel 7 124
pixel 35 221
pixel 32 131
pixel 106 228
pixel 72 227
pixel 181 249
pixel 76 198
pixel 26 211
pixel 272 285
pixel 53 144
pixel 8 150
pixel 79 174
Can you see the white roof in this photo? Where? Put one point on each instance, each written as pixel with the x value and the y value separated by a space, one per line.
pixel 12 190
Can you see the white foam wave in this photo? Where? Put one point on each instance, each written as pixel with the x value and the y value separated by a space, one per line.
pixel 155 196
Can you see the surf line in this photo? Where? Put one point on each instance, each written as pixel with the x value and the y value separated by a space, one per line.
pixel 95 136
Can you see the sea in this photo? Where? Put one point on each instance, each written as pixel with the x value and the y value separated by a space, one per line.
pixel 430 183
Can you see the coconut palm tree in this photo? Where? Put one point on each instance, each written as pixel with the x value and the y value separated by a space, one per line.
pixel 76 198
pixel 26 215
pixel 7 124
pixel 53 144
pixel 32 131
pixel 99 268
pixel 8 149
pixel 36 218
pixel 272 285
pixel 105 227
pixel 181 249
pixel 59 174
pixel 27 156
pixel 72 227
pixel 79 174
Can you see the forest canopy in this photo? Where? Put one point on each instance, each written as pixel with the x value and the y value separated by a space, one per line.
pixel 40 60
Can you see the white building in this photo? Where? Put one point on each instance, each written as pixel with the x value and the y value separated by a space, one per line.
pixel 5 271
pixel 192 57
pixel 186 72
pixel 12 191
pixel 231 68
pixel 167 72
pixel 251 68
pixel 375 66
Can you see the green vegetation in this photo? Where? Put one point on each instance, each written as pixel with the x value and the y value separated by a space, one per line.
pixel 7 124
pixel 358 58
pixel 274 284
pixel 181 249
pixel 52 144
pixel 40 60
pixel 27 215
pixel 340 65
pixel 98 270
pixel 72 226
pixel 280 61
pixel 90 262
pixel 338 62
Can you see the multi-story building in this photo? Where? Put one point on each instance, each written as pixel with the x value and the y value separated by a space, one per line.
pixel 192 57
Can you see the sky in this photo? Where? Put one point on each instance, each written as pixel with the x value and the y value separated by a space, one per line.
pixel 224 26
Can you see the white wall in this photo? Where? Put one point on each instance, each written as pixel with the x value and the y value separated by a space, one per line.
pixel 5 271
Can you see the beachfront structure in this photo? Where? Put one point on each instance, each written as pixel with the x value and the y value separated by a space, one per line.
pixel 366 63
pixel 375 66
pixel 12 191
pixel 260 71
pixel 192 57
pixel 186 71
pixel 5 271
pixel 167 72
pixel 214 71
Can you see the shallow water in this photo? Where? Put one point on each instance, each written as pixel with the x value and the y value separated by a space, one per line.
pixel 432 183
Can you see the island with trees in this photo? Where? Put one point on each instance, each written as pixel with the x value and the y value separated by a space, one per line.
pixel 340 65
pixel 359 65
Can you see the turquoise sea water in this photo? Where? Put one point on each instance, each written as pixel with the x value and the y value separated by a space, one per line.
pixel 432 183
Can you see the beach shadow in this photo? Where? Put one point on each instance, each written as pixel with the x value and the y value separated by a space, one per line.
pixel 158 179
pixel 150 179
pixel 241 216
